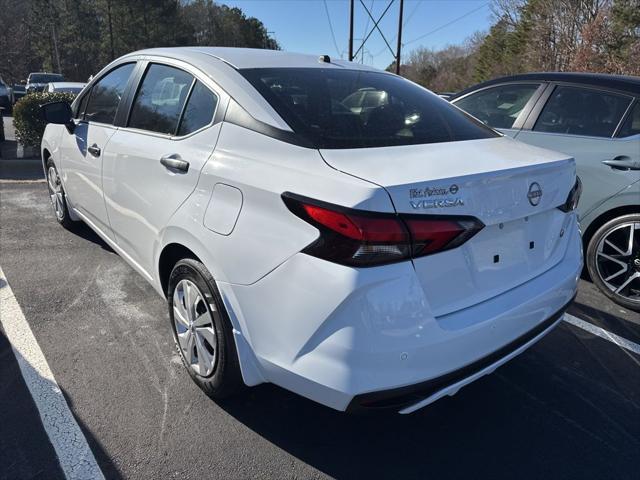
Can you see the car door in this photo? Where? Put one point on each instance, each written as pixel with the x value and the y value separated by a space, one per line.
pixel 581 122
pixel 503 107
pixel 153 163
pixel 82 152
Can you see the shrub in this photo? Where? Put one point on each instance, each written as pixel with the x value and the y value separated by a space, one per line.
pixel 27 120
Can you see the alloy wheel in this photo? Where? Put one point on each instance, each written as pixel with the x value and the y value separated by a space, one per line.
pixel 55 192
pixel 618 260
pixel 195 327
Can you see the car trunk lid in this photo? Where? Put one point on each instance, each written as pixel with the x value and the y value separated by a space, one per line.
pixel 513 189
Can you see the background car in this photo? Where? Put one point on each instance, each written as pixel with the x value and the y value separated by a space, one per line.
pixel 37 81
pixel 65 87
pixel 596 119
pixel 18 91
pixel 5 96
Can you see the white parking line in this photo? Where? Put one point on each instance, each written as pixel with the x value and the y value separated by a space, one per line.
pixel 602 333
pixel 75 456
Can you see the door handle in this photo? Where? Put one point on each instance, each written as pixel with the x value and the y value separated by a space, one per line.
pixel 94 150
pixel 174 162
pixel 622 162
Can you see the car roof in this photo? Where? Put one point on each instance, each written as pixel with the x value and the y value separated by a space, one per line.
pixel 625 83
pixel 241 58
pixel 222 65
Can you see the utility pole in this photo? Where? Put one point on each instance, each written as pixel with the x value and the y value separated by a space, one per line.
pixel 376 23
pixel 399 38
pixel 351 30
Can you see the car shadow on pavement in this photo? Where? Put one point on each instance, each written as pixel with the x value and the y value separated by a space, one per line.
pixel 83 231
pixel 25 448
pixel 530 419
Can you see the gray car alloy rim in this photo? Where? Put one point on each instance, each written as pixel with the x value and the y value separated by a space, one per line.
pixel 55 192
pixel 195 327
pixel 618 260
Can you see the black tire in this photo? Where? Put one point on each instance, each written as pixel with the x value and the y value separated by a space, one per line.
pixel 225 380
pixel 61 212
pixel 628 297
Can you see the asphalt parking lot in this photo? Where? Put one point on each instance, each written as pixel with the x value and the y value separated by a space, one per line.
pixel 567 408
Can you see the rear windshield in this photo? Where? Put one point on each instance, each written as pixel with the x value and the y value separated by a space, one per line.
pixel 353 109
pixel 45 77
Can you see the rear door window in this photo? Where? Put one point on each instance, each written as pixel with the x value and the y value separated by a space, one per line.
pixel 631 125
pixel 106 95
pixel 582 111
pixel 199 111
pixel 500 106
pixel 160 99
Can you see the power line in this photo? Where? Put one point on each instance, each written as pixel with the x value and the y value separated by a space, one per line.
pixel 366 27
pixel 447 24
pixel 333 35
pixel 404 24
pixel 375 27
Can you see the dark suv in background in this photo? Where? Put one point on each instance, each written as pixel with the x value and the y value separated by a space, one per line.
pixel 5 96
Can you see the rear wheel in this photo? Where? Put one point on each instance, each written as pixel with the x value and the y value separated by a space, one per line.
pixel 57 196
pixel 202 331
pixel 613 260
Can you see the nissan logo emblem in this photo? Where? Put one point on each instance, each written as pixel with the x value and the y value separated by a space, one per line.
pixel 535 194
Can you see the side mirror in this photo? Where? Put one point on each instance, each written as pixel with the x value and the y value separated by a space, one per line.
pixel 59 113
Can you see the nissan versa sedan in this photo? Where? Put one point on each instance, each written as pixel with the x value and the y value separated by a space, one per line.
pixel 364 258
pixel 595 118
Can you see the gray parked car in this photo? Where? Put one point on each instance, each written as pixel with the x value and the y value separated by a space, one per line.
pixel 596 119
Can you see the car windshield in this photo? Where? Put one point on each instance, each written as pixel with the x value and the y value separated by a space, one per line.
pixel 353 109
pixel 45 77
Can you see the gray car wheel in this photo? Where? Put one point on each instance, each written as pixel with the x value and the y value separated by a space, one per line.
pixel 57 196
pixel 613 260
pixel 202 330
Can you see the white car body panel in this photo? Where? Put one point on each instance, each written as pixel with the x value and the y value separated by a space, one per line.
pixel 324 330
pixel 82 172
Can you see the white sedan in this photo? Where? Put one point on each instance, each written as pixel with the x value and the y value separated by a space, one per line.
pixel 377 257
pixel 65 87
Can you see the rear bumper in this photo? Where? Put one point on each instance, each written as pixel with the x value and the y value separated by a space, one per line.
pixel 344 336
pixel 413 397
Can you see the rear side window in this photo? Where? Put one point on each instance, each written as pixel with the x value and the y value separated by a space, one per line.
pixel 631 125
pixel 582 111
pixel 106 94
pixel 500 106
pixel 336 108
pixel 200 109
pixel 160 99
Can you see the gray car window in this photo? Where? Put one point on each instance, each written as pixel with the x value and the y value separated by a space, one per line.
pixel 106 94
pixel 160 99
pixel 582 111
pixel 199 111
pixel 631 125
pixel 499 106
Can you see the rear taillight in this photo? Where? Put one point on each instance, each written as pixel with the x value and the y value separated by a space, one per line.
pixel 364 239
pixel 573 198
